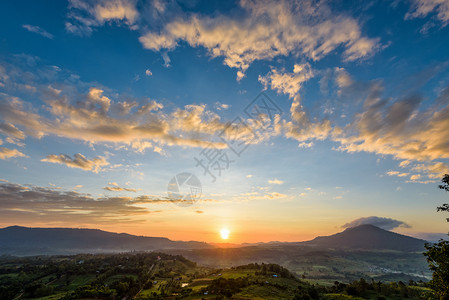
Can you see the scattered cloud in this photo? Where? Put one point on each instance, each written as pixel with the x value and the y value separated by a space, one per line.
pixel 6 153
pixel 275 181
pixel 401 128
pixel 267 29
pixel 37 204
pixel 261 196
pixel 305 145
pixel 221 106
pixel 404 163
pixel 384 223
pixel 415 177
pixel 55 205
pixel 85 15
pixel 78 161
pixel 94 117
pixel 397 173
pixel 287 83
pixel 432 170
pixel 38 30
pixel 10 130
pixel 301 127
pixel 114 187
pixel 422 8
pixel 166 59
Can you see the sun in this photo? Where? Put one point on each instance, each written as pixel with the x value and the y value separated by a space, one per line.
pixel 224 233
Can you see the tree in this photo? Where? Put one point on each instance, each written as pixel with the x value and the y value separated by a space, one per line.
pixel 438 256
pixel 445 186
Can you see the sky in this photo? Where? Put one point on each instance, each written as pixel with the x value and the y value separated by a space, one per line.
pixel 266 120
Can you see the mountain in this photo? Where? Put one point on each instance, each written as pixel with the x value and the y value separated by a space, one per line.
pixel 369 237
pixel 17 240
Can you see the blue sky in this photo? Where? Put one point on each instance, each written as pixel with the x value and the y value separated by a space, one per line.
pixel 103 102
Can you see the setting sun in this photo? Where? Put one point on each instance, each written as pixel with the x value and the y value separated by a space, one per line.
pixel 224 233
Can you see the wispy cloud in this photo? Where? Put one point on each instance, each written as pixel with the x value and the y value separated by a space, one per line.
pixel 397 173
pixel 114 187
pixel 422 8
pixel 11 131
pixel 34 203
pixel 38 30
pixel 6 153
pixel 85 15
pixel 78 161
pixel 402 128
pixel 275 181
pixel 384 223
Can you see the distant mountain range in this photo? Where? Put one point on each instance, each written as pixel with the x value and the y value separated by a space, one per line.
pixel 16 240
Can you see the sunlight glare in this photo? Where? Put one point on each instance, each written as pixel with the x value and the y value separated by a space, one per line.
pixel 224 233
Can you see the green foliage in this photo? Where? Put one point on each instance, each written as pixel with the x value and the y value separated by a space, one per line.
pixel 162 276
pixel 363 289
pixel 438 256
pixel 227 287
pixel 445 181
pixel 438 259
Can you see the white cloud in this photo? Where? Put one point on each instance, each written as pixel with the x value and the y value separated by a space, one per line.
pixel 78 161
pixel 84 15
pixel 91 117
pixel 301 127
pixel 268 29
pixel 434 170
pixel 287 83
pixel 397 173
pixel 275 181
pixel 35 203
pixel 94 116
pixel 148 72
pixel 166 59
pixel 422 8
pixel 38 30
pixel 116 9
pixel 384 223
pixel 11 131
pixel 305 145
pixel 415 177
pixel 114 187
pixel 221 106
pixel 6 153
pixel 397 127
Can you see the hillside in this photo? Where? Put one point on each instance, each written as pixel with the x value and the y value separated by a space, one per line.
pixel 369 237
pixel 16 240
pixel 160 276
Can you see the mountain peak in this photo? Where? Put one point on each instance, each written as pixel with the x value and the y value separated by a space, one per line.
pixel 368 236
